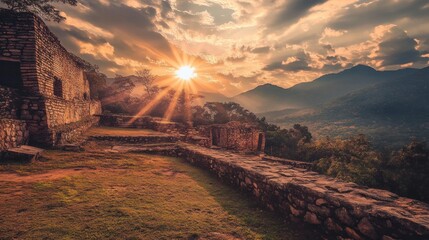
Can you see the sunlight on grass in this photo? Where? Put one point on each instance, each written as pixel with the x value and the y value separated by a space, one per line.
pixel 131 196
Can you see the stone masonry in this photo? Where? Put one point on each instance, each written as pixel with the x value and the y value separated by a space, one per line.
pixel 237 136
pixel 13 133
pixel 344 210
pixel 41 83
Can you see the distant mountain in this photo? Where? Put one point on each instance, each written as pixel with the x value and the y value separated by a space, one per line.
pixel 139 90
pixel 391 111
pixel 268 97
pixel 262 98
pixel 214 97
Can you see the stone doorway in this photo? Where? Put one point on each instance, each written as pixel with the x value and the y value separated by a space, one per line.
pixel 215 136
pixel 260 141
pixel 10 74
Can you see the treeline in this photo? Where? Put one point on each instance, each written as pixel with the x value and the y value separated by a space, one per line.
pixel 404 171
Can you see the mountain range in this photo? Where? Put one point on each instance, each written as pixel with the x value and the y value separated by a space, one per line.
pixel 388 106
pixel 269 97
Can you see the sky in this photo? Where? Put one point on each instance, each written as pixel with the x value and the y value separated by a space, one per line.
pixel 236 45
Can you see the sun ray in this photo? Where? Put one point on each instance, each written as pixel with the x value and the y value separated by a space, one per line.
pixel 173 103
pixel 151 104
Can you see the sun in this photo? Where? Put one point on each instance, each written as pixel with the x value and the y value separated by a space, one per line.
pixel 186 73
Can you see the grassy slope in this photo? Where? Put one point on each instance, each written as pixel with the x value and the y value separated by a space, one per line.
pixel 130 196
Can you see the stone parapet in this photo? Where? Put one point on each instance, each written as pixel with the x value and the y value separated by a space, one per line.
pixel 343 210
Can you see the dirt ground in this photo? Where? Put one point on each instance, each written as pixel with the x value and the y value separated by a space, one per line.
pixel 102 195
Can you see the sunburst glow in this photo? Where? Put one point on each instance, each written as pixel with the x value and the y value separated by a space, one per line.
pixel 186 73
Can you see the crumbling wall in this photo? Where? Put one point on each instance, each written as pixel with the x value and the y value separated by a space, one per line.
pixel 54 91
pixel 344 210
pixel 54 62
pixel 9 103
pixel 72 132
pixel 234 136
pixel 17 43
pixel 13 133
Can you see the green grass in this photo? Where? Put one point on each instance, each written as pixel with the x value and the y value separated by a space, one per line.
pixel 131 196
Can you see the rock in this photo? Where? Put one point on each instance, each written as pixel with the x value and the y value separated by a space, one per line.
pixel 344 216
pixel 324 211
pixel 332 225
pixel 367 229
pixel 295 212
pixel 311 218
pixel 353 234
pixel 321 201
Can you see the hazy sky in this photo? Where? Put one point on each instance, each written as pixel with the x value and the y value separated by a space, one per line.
pixel 239 44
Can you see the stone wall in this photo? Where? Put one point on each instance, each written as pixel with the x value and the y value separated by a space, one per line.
pixel 17 44
pixel 54 92
pixel 234 136
pixel 9 103
pixel 72 132
pixel 55 62
pixel 343 210
pixel 13 133
pixel 61 112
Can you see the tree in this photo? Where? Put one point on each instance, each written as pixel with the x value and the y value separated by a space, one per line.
pixel 43 8
pixel 353 160
pixel 407 171
pixel 146 78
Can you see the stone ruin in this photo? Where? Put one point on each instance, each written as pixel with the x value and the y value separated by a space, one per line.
pixel 234 136
pixel 243 137
pixel 44 101
pixel 44 94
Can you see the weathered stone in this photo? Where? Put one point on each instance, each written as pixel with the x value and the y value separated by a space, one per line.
pixel 344 216
pixel 50 94
pixel 323 211
pixel 367 229
pixel 385 237
pixel 353 234
pixel 295 212
pixel 311 218
pixel 332 225
pixel 287 196
pixel 321 201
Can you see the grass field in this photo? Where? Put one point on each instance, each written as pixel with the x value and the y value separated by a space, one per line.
pixel 98 195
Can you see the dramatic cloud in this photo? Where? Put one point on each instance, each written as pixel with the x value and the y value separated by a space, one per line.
pixel 239 44
pixel 395 47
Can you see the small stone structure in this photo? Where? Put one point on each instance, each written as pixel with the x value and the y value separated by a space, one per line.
pixel 41 83
pixel 237 136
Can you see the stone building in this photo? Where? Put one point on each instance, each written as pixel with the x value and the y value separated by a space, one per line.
pixel 237 136
pixel 42 86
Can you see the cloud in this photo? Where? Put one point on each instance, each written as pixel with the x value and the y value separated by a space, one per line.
pixel 260 50
pixel 291 11
pixel 282 42
pixel 300 62
pixel 394 47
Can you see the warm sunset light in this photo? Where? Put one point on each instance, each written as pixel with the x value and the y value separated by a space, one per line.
pixel 162 112
pixel 186 73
